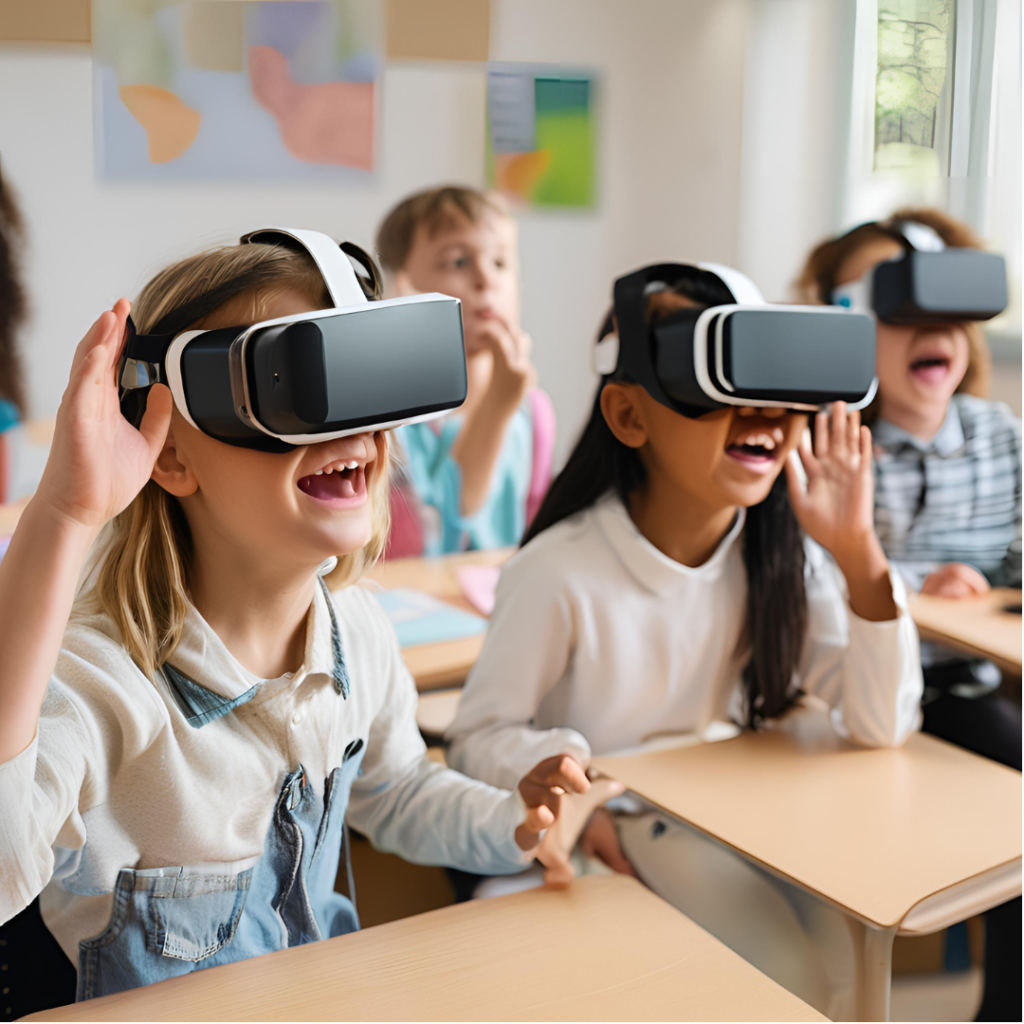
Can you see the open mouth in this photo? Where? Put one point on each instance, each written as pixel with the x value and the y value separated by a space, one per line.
pixel 930 369
pixel 756 450
pixel 339 484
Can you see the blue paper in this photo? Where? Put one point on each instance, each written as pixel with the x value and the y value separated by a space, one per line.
pixel 419 618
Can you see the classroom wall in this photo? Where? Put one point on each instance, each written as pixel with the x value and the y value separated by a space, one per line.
pixel 671 98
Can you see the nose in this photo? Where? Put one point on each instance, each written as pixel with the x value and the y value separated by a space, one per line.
pixel 769 412
pixel 481 278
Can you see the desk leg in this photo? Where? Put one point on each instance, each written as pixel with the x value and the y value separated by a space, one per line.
pixel 874 969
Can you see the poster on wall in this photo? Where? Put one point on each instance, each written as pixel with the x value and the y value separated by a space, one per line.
pixel 542 135
pixel 235 89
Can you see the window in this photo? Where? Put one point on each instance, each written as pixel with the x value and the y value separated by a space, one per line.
pixel 913 94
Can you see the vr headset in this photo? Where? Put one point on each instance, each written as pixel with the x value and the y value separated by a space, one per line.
pixel 928 283
pixel 310 377
pixel 743 353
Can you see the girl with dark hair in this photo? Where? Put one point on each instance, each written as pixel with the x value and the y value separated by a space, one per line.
pixel 673 582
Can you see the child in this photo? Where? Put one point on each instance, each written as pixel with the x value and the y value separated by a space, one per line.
pixel 12 312
pixel 476 479
pixel 947 511
pixel 178 763
pixel 668 583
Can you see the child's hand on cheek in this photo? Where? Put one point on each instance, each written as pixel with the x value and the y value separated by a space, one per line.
pixel 837 507
pixel 513 374
pixel 99 462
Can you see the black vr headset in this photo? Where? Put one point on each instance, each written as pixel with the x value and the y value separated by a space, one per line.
pixel 928 283
pixel 310 377
pixel 745 353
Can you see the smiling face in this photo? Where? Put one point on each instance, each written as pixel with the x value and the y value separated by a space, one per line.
pixel 919 366
pixel 727 458
pixel 298 507
pixel 475 261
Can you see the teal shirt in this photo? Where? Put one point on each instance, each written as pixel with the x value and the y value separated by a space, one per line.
pixel 436 480
pixel 8 415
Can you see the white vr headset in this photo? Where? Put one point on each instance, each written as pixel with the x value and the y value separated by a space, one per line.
pixel 744 353
pixel 296 380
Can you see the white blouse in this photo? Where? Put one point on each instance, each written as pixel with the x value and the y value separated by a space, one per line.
pixel 600 643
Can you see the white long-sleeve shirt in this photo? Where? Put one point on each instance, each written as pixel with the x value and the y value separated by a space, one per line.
pixel 128 773
pixel 599 643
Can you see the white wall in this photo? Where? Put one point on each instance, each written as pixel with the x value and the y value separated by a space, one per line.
pixel 671 98
pixel 794 126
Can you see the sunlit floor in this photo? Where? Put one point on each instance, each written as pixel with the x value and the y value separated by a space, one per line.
pixel 952 996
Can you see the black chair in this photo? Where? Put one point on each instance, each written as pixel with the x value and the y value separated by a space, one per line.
pixel 35 974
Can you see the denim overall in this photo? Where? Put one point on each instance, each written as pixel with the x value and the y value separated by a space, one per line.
pixel 167 922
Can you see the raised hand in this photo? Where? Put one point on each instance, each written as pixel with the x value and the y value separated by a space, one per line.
pixel 837 506
pixel 99 461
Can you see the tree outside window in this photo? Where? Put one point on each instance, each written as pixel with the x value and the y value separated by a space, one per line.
pixel 912 90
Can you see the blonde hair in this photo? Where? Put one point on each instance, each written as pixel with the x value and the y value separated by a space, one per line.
pixel 433 209
pixel 819 273
pixel 143 575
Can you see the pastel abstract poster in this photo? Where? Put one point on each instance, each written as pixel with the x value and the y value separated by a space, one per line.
pixel 541 135
pixel 235 89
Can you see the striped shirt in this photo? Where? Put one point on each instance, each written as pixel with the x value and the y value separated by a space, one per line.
pixel 955 498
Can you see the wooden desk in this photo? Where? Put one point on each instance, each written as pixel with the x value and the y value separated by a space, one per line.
pixel 606 949
pixel 974 625
pixel 444 665
pixel 436 712
pixel 910 840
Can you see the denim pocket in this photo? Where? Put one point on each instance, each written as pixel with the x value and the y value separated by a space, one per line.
pixel 197 915
pixel 163 922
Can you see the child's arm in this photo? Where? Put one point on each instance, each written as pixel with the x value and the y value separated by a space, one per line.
pixel 865 662
pixel 526 651
pixel 837 508
pixel 97 465
pixel 408 805
pixel 477 449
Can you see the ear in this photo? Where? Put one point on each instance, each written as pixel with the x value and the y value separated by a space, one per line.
pixel 171 470
pixel 624 413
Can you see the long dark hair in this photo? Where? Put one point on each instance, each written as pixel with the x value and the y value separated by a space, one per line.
pixel 12 300
pixel 773 551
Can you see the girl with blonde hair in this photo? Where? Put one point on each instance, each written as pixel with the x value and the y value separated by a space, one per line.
pixel 178 762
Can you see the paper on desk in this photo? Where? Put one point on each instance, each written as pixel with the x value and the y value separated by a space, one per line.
pixel 419 618
pixel 478 583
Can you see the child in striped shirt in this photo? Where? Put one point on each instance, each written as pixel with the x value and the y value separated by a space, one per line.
pixel 947 511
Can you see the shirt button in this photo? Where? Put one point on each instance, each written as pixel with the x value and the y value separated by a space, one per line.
pixel 297 718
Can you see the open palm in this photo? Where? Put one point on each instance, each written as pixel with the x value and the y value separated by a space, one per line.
pixel 836 508
pixel 99 462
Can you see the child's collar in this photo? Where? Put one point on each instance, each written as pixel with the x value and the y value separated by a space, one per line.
pixel 651 568
pixel 209 681
pixel 947 441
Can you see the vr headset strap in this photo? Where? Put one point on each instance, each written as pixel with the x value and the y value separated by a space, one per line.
pixel 148 348
pixel 338 273
pixel 630 301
